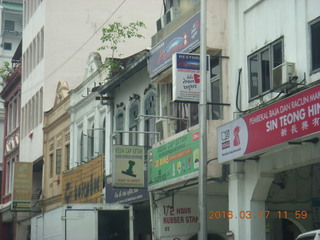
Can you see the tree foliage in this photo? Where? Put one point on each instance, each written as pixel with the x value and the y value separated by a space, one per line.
pixel 115 34
pixel 5 71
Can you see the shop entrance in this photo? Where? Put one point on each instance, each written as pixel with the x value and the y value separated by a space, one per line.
pixel 291 203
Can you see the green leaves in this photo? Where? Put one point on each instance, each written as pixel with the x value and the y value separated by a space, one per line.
pixel 115 34
pixel 5 70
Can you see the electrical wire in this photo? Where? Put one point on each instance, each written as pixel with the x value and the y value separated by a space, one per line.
pixel 72 55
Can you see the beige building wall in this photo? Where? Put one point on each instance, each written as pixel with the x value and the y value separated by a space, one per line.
pixel 56 147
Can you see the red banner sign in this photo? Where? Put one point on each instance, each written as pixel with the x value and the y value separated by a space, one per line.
pixel 291 118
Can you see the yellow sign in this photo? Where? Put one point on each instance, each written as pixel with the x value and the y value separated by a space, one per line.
pixel 22 186
pixel 84 183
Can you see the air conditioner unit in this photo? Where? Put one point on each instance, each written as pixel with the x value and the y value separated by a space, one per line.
pixel 166 127
pixel 171 14
pixel 284 77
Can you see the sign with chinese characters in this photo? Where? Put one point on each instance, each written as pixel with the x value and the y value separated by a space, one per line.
pixel 124 195
pixel 186 77
pixel 294 117
pixel 22 186
pixel 185 39
pixel 128 166
pixel 174 160
pixel 83 184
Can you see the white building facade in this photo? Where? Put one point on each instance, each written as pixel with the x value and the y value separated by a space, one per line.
pixel 273 153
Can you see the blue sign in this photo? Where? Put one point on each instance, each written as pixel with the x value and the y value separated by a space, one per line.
pixel 185 39
pixel 124 195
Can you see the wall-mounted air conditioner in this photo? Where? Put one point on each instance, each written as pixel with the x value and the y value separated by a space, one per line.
pixel 284 77
pixel 171 14
pixel 166 127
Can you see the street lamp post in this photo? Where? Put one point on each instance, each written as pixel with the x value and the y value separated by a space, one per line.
pixel 202 195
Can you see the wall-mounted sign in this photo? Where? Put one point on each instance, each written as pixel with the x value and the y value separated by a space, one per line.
pixel 84 183
pixel 124 195
pixel 185 39
pixel 22 186
pixel 178 220
pixel 174 161
pixel 294 117
pixel 128 166
pixel 186 77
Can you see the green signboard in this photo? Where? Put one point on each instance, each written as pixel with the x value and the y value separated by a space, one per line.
pixel 174 160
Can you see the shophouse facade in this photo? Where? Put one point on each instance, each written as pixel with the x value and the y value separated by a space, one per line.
pixel 56 147
pixel 11 94
pixel 47 59
pixel 173 167
pixel 130 99
pixel 272 146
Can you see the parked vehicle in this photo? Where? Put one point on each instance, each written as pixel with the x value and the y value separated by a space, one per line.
pixel 312 235
pixel 84 221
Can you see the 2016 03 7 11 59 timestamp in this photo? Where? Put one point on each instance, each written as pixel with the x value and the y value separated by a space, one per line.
pixel 213 215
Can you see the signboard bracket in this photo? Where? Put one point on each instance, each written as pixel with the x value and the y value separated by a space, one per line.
pixel 312 140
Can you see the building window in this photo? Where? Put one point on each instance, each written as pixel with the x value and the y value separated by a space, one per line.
pixel 91 142
pixel 315 45
pixel 81 148
pixel 215 111
pixel 103 137
pixel 58 161
pixel 133 123
pixel 119 120
pixel 9 25
pixel 67 155
pixel 7 46
pixel 51 165
pixel 260 65
pixel 9 174
pixel 150 122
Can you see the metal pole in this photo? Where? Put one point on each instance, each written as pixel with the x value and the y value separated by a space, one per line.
pixel 202 195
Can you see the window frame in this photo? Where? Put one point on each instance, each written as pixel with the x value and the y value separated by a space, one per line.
pixel 58 161
pixel 9 25
pixel 7 46
pixel 133 123
pixel 118 127
pixel 257 54
pixel 150 108
pixel 311 24
pixel 216 79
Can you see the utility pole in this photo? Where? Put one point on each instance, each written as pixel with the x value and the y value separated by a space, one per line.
pixel 202 194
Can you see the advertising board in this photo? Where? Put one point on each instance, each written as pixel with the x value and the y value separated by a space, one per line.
pixel 185 39
pixel 294 117
pixel 186 77
pixel 22 186
pixel 128 166
pixel 83 184
pixel 174 160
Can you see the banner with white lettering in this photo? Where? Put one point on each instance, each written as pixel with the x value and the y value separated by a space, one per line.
pixel 294 117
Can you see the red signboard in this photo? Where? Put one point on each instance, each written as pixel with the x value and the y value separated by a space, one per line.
pixel 286 120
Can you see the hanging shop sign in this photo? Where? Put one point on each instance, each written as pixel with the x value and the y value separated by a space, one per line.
pixel 22 186
pixel 174 161
pixel 294 117
pixel 128 166
pixel 186 77
pixel 185 39
pixel 84 183
pixel 124 195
